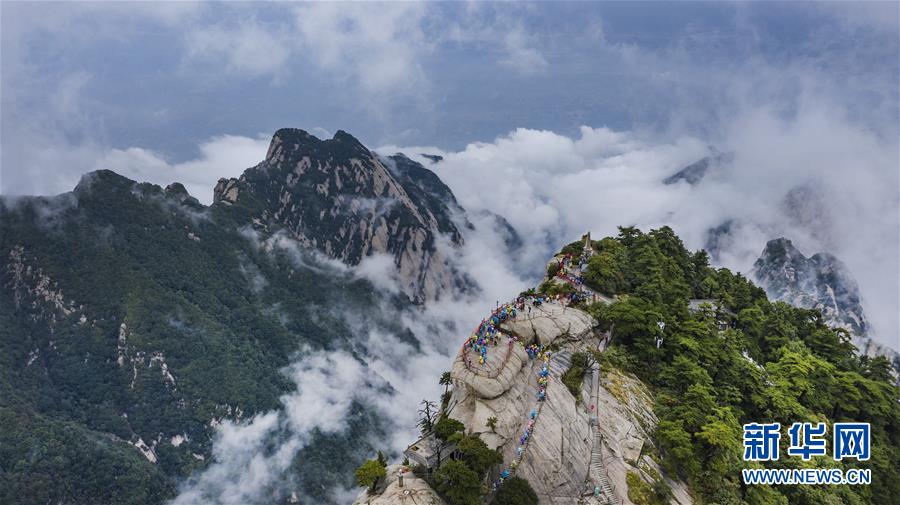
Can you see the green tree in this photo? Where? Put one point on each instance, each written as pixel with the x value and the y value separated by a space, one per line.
pixel 574 376
pixel 775 363
pixel 552 269
pixel 444 431
pixel 369 473
pixel 446 381
pixel 604 273
pixel 446 427
pixel 458 484
pixel 476 454
pixel 677 448
pixel 515 491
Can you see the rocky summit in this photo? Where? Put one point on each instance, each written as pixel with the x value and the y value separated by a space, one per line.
pixel 821 282
pixel 340 198
pixel 625 377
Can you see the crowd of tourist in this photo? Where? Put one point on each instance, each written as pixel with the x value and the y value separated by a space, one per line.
pixel 543 379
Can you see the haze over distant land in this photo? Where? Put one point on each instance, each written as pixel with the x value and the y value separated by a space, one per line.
pixel 191 92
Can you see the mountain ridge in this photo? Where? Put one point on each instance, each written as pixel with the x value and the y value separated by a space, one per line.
pixel 344 200
pixel 135 320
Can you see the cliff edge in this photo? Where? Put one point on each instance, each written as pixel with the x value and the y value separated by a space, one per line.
pixel 571 448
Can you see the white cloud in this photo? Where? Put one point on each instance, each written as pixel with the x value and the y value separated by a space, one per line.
pixel 553 188
pixel 868 15
pixel 248 48
pixel 500 30
pixel 378 48
pixel 244 469
pixel 520 53
pixel 57 167
pixel 381 271
pixel 375 45
pixel 223 156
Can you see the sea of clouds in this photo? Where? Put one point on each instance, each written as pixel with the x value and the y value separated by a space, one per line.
pixel 552 188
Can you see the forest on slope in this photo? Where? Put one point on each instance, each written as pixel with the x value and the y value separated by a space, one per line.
pixel 738 359
pixel 133 321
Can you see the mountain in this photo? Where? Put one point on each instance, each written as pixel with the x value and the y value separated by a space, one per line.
pixel 347 202
pixel 625 377
pixel 134 321
pixel 591 432
pixel 822 282
pixel 719 239
pixel 154 347
pixel 695 172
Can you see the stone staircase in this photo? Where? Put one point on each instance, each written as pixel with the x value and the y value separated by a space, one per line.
pixel 560 362
pixel 598 472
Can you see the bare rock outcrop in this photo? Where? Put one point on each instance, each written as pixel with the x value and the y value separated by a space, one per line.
pixel 557 460
pixel 350 203
pixel 549 321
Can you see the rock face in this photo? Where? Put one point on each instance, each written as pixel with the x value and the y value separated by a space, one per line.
pixel 550 322
pixel 566 455
pixel 349 203
pixel 823 282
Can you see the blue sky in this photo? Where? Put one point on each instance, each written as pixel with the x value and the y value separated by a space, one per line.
pixel 602 99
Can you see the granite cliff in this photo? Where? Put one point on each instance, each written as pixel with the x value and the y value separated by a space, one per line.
pixel 340 198
pixel 823 282
pixel 581 446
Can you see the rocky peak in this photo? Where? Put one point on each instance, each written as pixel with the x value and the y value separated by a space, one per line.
pixel 102 182
pixel 821 281
pixel 695 172
pixel 588 440
pixel 338 197
pixel 177 189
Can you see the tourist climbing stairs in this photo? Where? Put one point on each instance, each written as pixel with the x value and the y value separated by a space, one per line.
pixel 561 362
pixel 558 363
pixel 598 472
